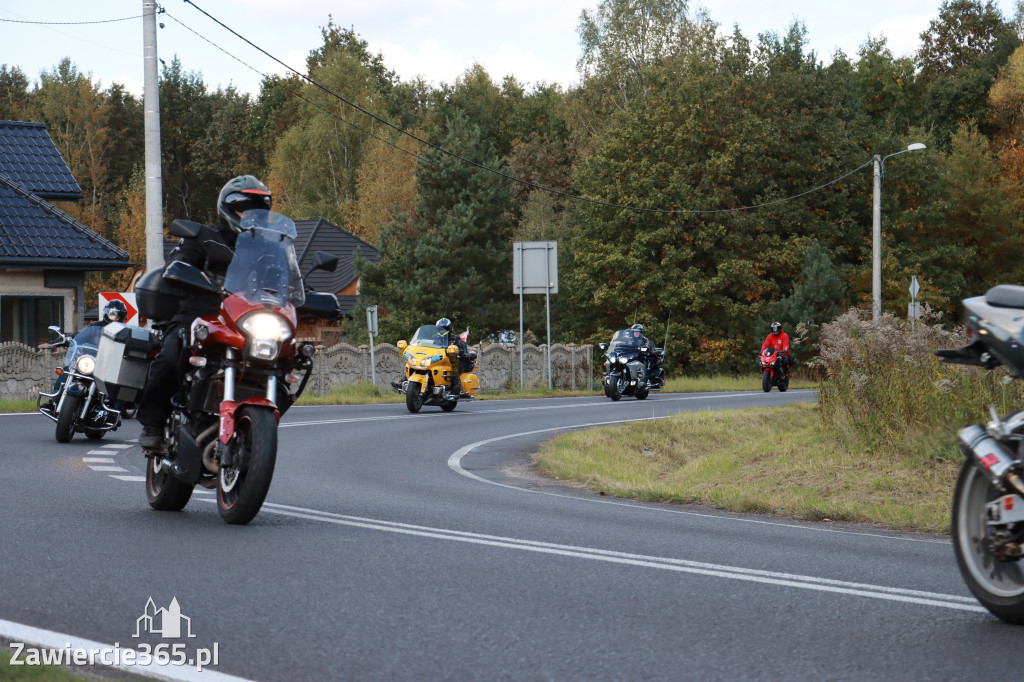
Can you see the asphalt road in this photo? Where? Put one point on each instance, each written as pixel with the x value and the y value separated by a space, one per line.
pixel 397 546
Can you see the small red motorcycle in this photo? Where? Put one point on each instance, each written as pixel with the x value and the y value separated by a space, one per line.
pixel 245 367
pixel 772 373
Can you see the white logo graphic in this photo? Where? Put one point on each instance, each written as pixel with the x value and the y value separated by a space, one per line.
pixel 164 622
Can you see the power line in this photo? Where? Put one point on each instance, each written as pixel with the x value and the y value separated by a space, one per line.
pixel 513 178
pixel 71 23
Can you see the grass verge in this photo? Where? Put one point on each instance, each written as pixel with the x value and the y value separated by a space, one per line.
pixel 777 460
pixel 8 406
pixel 727 382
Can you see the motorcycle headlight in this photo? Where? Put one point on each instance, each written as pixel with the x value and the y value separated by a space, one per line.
pixel 622 360
pixel 267 332
pixel 85 365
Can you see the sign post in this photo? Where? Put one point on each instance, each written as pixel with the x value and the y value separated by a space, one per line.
pixel 913 308
pixel 371 326
pixel 535 271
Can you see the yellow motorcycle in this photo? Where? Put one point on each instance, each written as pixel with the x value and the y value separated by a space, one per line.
pixel 428 371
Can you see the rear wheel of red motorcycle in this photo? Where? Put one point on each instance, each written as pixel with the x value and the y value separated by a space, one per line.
pixel 242 487
pixel 766 380
pixel 996 581
pixel 163 490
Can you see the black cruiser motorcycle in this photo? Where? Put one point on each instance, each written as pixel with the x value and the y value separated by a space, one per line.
pixel 631 368
pixel 75 402
pixel 988 502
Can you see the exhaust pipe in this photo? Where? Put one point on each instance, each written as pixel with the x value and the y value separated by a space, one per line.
pixel 991 458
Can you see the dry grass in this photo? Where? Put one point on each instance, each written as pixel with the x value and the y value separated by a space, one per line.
pixel 771 461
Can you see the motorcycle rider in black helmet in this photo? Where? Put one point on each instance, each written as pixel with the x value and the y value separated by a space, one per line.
pixel 211 252
pixel 638 332
pixel 114 311
pixel 450 338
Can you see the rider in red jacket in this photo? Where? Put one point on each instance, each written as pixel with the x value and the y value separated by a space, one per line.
pixel 779 340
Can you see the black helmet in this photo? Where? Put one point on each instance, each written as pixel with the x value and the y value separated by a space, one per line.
pixel 776 328
pixel 115 308
pixel 444 323
pixel 239 195
pixel 638 327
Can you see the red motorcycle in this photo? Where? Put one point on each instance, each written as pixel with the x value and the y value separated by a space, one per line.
pixel 245 367
pixel 772 372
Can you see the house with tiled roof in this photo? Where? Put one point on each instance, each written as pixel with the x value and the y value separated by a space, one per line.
pixel 319 234
pixel 44 253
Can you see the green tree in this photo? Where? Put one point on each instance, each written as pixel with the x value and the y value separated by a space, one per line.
pixel 449 256
pixel 816 297
pixel 961 53
pixel 14 93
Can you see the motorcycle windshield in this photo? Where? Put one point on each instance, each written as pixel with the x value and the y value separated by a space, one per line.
pixel 627 340
pixel 86 342
pixel 431 336
pixel 264 268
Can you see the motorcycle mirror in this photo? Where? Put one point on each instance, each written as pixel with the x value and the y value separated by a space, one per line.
pixel 402 345
pixel 186 228
pixel 189 276
pixel 603 346
pixel 325 261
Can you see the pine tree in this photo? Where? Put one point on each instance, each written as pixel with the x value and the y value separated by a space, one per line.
pixel 450 255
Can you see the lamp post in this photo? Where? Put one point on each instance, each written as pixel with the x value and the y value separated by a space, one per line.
pixel 876 224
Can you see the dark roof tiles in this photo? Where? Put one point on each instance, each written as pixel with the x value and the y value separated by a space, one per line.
pixel 29 158
pixel 34 233
pixel 320 235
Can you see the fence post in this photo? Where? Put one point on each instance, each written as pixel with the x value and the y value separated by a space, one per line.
pixel 319 370
pixel 572 380
pixel 590 369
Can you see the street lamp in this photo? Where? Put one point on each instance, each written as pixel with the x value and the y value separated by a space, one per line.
pixel 876 224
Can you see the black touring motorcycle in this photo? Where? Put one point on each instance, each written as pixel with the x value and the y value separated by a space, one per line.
pixel 988 501
pixel 631 368
pixel 75 402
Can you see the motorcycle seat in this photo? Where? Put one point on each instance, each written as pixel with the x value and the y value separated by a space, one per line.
pixel 1005 296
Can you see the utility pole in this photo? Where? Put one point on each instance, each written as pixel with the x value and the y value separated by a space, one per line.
pixel 154 178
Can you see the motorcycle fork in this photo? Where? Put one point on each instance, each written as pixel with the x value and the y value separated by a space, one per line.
pixel 87 401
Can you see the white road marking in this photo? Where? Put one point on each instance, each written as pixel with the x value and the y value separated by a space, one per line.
pixel 129 478
pixel 589 405
pixel 455 464
pixel 98 460
pixel 102 452
pixel 894 594
pixel 26 634
pixel 106 468
pixel 119 446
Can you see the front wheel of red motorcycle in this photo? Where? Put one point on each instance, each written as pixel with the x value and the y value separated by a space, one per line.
pixel 987 553
pixel 766 380
pixel 242 487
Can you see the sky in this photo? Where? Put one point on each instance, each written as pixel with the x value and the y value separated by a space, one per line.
pixel 533 40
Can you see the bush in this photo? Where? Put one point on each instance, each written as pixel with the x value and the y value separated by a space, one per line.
pixel 884 388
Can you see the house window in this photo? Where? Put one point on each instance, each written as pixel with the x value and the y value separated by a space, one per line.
pixel 25 318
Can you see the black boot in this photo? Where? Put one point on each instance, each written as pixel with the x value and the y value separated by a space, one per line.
pixel 456 387
pixel 152 438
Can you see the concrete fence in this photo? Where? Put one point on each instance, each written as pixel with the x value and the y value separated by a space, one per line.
pixel 24 371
